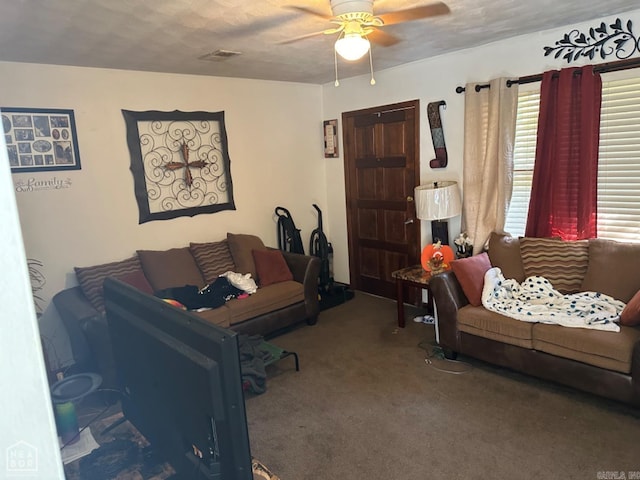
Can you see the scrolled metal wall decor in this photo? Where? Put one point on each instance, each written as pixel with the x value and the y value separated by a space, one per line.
pixel 604 40
pixel 180 163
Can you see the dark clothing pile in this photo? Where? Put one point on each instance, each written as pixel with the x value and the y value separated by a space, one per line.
pixel 253 359
pixel 213 295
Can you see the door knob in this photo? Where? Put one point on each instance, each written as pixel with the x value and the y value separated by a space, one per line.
pixel 409 198
pixel 408 222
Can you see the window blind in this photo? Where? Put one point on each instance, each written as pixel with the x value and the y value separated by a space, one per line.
pixel 524 153
pixel 619 161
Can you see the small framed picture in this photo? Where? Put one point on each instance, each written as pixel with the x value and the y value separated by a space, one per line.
pixel 40 139
pixel 330 138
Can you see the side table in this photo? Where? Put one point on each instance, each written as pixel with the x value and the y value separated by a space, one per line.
pixel 414 276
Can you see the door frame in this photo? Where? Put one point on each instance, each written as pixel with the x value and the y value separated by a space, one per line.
pixel 348 136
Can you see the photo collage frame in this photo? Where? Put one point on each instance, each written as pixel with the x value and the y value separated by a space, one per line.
pixel 40 139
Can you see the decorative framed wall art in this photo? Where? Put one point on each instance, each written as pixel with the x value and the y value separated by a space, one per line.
pixel 40 139
pixel 330 128
pixel 437 134
pixel 180 163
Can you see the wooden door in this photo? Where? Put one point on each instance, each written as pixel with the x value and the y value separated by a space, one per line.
pixel 381 170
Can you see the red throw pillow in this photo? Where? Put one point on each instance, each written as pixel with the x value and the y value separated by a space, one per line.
pixel 630 316
pixel 138 280
pixel 470 273
pixel 271 267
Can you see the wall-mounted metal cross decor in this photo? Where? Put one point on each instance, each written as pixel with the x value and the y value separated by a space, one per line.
pixel 168 183
pixel 186 164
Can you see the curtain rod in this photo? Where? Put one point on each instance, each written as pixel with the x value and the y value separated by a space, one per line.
pixel 599 68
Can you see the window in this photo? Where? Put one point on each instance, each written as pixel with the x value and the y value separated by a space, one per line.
pixel 524 154
pixel 618 163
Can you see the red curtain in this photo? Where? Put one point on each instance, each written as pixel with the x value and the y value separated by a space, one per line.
pixel 565 175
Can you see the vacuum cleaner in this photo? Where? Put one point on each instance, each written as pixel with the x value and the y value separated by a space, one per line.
pixel 330 293
pixel 289 239
pixel 320 247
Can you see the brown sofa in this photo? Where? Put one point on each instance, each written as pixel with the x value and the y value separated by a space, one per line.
pixel 287 293
pixel 601 362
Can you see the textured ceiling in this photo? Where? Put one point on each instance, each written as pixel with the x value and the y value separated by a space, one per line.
pixel 170 35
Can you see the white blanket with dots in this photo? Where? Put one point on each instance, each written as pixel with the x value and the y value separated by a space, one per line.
pixel 535 300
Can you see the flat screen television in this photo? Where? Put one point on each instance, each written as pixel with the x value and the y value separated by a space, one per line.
pixel 181 383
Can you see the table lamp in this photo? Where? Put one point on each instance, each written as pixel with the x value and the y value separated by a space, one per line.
pixel 437 202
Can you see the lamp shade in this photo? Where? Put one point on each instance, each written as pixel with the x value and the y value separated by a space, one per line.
pixel 352 46
pixel 438 200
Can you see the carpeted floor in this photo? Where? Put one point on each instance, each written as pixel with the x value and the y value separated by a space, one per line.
pixel 366 405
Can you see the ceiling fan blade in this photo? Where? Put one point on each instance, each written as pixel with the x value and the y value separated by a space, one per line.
pixel 301 37
pixel 415 13
pixel 382 38
pixel 309 11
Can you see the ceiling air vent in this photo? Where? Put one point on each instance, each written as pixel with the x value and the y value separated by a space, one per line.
pixel 219 55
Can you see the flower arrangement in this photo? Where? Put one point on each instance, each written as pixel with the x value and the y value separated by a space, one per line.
pixel 464 245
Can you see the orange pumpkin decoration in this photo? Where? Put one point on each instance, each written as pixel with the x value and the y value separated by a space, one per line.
pixel 436 257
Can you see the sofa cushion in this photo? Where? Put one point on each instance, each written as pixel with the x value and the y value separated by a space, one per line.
pixel 504 252
pixel 271 267
pixel 614 268
pixel 213 259
pixel 484 323
pixel 630 316
pixel 175 267
pixel 138 280
pixel 470 273
pixel 91 278
pixel 563 263
pixel 610 350
pixel 218 316
pixel 265 300
pixel 242 246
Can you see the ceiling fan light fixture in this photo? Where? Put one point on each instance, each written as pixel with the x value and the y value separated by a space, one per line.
pixel 352 46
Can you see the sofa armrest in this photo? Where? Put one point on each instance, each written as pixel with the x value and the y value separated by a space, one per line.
pixel 306 270
pixel 75 310
pixel 635 372
pixel 88 333
pixel 449 298
pixel 72 303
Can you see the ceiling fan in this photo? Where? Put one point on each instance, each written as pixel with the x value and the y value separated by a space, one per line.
pixel 357 25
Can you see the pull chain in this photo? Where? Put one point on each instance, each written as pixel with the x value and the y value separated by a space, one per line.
pixel 373 80
pixel 335 61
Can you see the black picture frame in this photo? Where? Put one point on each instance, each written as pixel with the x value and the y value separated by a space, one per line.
pixel 180 163
pixel 330 131
pixel 40 139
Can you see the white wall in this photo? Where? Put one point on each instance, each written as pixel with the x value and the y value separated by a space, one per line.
pixel 429 81
pixel 275 144
pixel 28 439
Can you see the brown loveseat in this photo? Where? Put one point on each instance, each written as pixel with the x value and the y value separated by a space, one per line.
pixel 601 362
pixel 287 294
